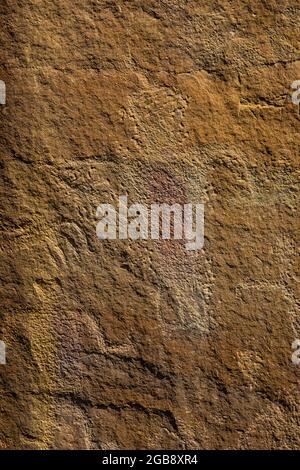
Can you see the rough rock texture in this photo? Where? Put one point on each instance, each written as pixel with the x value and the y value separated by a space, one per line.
pixel 122 344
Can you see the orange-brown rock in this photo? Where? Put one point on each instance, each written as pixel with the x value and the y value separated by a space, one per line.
pixel 142 344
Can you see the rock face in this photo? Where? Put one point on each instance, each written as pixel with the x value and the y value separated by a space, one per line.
pixel 142 344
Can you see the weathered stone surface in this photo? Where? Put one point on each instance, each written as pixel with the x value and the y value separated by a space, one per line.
pixel 122 344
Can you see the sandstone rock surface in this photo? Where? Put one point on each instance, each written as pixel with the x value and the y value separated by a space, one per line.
pixel 141 344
